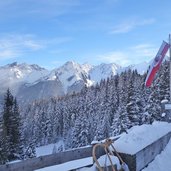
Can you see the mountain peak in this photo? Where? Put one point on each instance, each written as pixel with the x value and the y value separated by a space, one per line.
pixel 24 66
pixel 69 67
pixel 18 73
pixel 12 64
pixel 37 67
pixel 103 71
pixel 71 64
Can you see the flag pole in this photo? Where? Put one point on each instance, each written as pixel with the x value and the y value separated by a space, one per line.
pixel 170 62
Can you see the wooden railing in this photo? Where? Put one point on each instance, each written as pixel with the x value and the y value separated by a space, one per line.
pixel 50 160
pixel 134 161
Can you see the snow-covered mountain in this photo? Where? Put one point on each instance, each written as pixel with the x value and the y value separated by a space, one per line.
pixel 69 74
pixel 13 75
pixel 103 71
pixel 141 67
pixel 29 82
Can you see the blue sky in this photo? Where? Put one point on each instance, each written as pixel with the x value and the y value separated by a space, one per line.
pixel 52 32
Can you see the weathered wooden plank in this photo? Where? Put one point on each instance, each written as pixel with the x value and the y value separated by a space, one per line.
pixel 48 160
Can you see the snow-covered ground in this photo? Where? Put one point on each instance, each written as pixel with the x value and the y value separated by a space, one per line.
pixel 49 149
pixel 137 138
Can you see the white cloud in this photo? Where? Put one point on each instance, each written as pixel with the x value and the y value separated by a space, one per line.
pixel 12 46
pixel 145 50
pixel 15 45
pixel 31 44
pixel 15 41
pixel 59 40
pixel 118 57
pixel 7 54
pixel 43 8
pixel 129 25
pixel 130 55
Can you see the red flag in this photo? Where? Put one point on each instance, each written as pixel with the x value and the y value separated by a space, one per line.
pixel 156 63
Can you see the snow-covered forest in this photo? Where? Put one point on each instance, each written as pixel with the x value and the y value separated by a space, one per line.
pixel 98 112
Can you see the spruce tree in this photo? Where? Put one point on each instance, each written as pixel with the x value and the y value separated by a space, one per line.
pixel 17 132
pixel 11 134
pixel 3 154
pixel 7 125
pixel 30 151
pixel 132 108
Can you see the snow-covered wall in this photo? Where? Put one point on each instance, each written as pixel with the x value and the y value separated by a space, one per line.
pixel 146 155
pixel 142 158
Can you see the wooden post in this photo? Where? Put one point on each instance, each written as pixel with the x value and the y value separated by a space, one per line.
pixel 170 62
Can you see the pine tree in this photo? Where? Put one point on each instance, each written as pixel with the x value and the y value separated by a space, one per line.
pixel 3 154
pixel 30 150
pixel 7 123
pixel 80 136
pixel 17 132
pixel 11 136
pixel 132 107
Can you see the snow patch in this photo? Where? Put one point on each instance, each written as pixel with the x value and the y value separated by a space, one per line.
pixel 48 149
pixel 139 137
pixel 104 161
pixel 163 114
pixel 164 101
pixel 69 165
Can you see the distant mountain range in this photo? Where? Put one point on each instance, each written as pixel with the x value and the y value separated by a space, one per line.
pixel 30 82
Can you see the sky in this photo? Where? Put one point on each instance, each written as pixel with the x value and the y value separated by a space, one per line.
pixel 52 32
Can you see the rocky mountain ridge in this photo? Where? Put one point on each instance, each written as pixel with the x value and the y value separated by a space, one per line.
pixel 30 82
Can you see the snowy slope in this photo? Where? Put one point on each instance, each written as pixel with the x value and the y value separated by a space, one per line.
pixel 103 71
pixel 141 67
pixel 48 149
pixel 86 68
